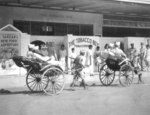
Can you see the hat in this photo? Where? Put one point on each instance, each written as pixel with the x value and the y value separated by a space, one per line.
pixel 31 46
pixel 117 43
pixel 36 48
pixel 111 45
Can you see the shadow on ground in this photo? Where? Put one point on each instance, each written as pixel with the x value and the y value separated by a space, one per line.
pixel 8 92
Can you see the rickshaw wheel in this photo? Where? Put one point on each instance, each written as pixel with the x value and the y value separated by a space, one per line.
pixel 35 82
pixel 56 81
pixel 126 75
pixel 106 75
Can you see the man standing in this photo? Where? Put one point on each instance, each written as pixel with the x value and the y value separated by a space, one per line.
pixel 97 57
pixel 131 52
pixel 142 55
pixel 63 57
pixel 90 60
pixel 72 58
pixel 51 50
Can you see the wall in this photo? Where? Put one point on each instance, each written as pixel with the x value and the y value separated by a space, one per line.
pixel 25 41
pixel 8 14
pixel 58 40
pixel 102 40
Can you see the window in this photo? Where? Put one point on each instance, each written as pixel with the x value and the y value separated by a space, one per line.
pixel 86 30
pixel 40 28
pixel 60 29
pixel 73 29
pixel 23 26
pixel 54 29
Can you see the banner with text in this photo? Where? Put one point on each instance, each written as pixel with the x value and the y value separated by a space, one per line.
pixel 9 46
pixel 82 43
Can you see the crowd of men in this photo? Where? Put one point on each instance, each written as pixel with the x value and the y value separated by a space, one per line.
pixel 142 56
pixel 111 50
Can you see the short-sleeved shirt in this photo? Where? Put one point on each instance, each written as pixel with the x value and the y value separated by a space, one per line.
pixel 142 52
pixel 118 52
pixel 131 53
pixel 73 55
pixel 97 54
pixel 79 62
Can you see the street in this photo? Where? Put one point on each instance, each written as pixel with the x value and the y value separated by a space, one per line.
pixel 96 100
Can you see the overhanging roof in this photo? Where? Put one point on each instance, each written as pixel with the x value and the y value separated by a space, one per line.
pixel 114 7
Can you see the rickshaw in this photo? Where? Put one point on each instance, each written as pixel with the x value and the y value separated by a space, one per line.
pixel 108 71
pixel 41 76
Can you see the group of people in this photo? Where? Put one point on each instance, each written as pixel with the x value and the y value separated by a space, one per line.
pixel 87 58
pixel 48 55
pixel 113 52
pixel 142 56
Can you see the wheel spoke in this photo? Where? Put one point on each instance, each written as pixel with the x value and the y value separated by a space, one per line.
pixel 32 81
pixel 34 86
pixel 56 80
pixel 59 86
pixel 126 76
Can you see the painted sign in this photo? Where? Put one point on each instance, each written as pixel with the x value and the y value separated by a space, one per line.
pixel 81 43
pixel 9 46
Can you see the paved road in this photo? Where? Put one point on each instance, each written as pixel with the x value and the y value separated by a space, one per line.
pixel 96 100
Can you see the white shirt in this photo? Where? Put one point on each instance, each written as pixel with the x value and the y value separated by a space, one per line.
pixel 148 55
pixel 62 53
pixel 118 52
pixel 89 57
pixel 73 55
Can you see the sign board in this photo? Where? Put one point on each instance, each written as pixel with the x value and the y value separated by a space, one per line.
pixel 82 43
pixel 9 45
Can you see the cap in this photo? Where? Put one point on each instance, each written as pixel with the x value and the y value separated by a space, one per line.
pixel 36 48
pixel 31 46
pixel 117 43
pixel 111 45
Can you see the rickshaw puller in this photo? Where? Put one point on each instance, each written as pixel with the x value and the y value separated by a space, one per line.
pixel 79 66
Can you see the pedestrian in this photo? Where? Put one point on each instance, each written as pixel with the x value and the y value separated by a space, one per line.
pixel 63 56
pixel 79 65
pixel 142 56
pixel 137 68
pixel 106 47
pixel 90 60
pixel 131 52
pixel 97 57
pixel 51 50
pixel 72 58
pixel 147 57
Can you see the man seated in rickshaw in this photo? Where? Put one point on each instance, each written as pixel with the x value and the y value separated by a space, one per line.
pixel 35 54
pixel 115 56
